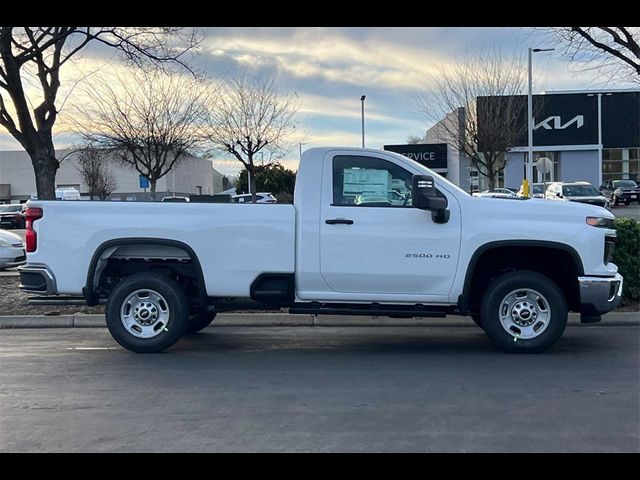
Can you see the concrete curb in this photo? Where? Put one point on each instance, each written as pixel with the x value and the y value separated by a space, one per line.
pixel 285 320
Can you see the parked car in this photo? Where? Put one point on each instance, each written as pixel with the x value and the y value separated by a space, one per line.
pixel 516 267
pixel 12 252
pixel 12 215
pixel 67 193
pixel 536 189
pixel 175 199
pixel 496 193
pixel 261 197
pixel 582 192
pixel 393 199
pixel 618 191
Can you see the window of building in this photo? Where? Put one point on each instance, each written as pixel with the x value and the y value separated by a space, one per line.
pixel 370 182
pixel 620 163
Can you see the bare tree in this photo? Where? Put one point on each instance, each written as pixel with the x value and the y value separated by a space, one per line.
pixel 249 116
pixel 150 120
pixel 613 51
pixel 415 140
pixel 43 51
pixel 96 173
pixel 482 130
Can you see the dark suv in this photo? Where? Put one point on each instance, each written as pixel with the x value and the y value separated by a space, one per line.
pixel 582 192
pixel 618 191
pixel 12 215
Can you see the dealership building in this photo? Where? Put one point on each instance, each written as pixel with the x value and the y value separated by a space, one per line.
pixel 192 176
pixel 588 135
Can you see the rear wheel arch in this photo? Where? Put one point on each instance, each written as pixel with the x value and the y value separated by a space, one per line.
pixel 97 263
pixel 495 258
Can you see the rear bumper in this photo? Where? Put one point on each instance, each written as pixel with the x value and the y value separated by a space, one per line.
pixel 599 295
pixel 35 278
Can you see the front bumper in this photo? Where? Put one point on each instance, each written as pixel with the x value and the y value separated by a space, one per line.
pixel 36 278
pixel 599 295
pixel 12 257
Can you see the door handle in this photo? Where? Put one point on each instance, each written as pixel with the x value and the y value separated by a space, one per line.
pixel 335 221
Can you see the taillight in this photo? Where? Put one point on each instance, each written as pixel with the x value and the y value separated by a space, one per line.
pixel 31 237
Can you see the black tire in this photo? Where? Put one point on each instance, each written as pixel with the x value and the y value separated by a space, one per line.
pixel 510 282
pixel 477 320
pixel 177 304
pixel 199 321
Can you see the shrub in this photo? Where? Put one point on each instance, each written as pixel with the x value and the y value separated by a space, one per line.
pixel 626 256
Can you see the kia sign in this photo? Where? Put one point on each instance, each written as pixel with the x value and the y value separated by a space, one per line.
pixel 572 119
pixel 432 155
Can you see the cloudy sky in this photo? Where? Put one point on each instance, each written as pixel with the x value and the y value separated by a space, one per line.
pixel 330 68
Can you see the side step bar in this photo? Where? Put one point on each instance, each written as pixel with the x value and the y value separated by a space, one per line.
pixel 378 310
pixel 58 300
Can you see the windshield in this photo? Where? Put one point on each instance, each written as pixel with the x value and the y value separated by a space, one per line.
pixel 10 208
pixel 624 183
pixel 537 188
pixel 579 190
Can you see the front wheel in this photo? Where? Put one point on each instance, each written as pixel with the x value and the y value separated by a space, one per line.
pixel 147 313
pixel 524 312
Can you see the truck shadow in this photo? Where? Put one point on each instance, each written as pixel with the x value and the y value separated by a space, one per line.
pixel 377 340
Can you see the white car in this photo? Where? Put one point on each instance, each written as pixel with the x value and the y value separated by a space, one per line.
pixel 261 197
pixel 67 194
pixel 496 193
pixel 12 252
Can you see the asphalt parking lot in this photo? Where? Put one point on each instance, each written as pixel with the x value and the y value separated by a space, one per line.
pixel 320 389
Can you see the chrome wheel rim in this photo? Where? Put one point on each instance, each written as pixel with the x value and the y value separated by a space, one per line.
pixel 145 313
pixel 524 313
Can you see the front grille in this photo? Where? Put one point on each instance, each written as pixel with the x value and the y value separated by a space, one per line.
pixel 609 246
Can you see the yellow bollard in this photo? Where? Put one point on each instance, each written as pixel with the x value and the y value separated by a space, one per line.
pixel 525 188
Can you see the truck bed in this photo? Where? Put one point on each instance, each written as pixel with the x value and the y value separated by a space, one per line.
pixel 233 242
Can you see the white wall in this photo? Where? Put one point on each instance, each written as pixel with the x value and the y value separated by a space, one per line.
pixel 16 170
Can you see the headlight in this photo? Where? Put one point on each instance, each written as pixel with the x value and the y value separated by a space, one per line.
pixel 4 243
pixel 600 222
pixel 617 192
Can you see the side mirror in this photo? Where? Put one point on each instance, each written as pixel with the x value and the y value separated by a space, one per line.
pixel 425 197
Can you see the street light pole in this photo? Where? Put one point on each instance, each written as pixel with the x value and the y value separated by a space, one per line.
pixel 529 163
pixel 599 134
pixel 301 143
pixel 362 100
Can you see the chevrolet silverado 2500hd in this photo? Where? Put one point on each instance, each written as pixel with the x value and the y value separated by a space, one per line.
pixel 370 233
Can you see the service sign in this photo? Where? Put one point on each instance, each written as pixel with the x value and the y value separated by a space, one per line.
pixel 431 155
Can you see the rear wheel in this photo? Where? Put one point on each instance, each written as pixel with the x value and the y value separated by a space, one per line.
pixel 147 313
pixel 199 321
pixel 524 312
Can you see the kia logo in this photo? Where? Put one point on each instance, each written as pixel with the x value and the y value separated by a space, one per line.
pixel 554 122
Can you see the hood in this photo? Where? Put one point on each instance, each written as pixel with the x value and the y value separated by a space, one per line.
pixel 10 237
pixel 541 207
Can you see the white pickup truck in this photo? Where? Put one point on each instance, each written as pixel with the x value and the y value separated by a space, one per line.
pixel 370 233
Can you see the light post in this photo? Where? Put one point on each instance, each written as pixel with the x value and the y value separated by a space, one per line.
pixel 599 95
pixel 301 143
pixel 362 98
pixel 529 165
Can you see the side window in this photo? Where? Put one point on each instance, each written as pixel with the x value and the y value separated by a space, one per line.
pixel 370 182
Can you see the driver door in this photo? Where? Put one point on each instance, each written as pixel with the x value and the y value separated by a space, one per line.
pixel 372 243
